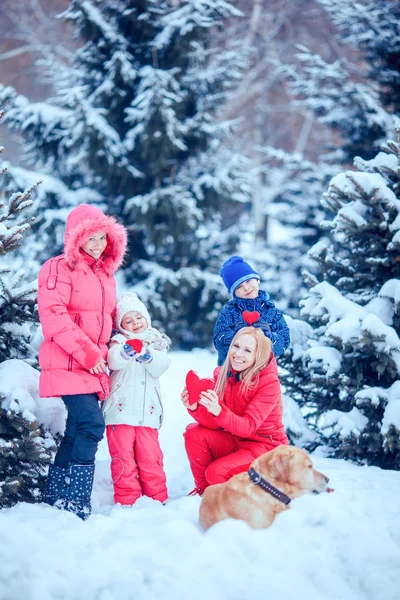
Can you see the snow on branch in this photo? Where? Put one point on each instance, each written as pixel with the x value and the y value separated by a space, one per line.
pixel 10 233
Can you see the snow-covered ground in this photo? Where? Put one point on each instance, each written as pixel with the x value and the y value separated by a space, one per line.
pixel 339 546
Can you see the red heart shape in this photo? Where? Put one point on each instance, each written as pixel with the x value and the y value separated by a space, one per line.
pixel 137 345
pixel 195 386
pixel 250 317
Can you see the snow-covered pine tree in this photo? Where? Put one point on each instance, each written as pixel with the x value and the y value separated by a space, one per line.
pixel 356 99
pixel 373 26
pixel 135 120
pixel 17 297
pixel 28 431
pixel 294 187
pixel 25 449
pixel 351 369
pixel 25 454
pixel 351 106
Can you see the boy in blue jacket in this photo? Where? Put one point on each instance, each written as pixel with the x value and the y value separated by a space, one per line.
pixel 243 284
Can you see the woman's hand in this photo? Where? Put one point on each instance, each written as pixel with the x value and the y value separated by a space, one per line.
pixel 99 368
pixel 210 400
pixel 185 400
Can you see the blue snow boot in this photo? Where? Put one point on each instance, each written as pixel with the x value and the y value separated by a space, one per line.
pixel 56 486
pixel 79 490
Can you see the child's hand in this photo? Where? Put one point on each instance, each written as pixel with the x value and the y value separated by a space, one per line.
pixel 162 343
pixel 144 359
pixel 131 348
pixel 209 399
pixel 185 400
pixel 137 345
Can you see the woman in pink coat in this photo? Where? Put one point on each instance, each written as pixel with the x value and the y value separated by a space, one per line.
pixel 241 418
pixel 76 302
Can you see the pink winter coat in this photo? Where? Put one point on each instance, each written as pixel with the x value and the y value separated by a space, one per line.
pixel 76 302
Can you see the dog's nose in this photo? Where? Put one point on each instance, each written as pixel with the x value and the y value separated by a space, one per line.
pixel 326 479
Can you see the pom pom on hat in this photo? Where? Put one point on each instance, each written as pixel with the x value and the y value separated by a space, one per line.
pixel 235 271
pixel 127 303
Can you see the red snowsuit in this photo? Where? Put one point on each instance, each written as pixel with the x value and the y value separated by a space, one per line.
pixel 248 426
pixel 76 302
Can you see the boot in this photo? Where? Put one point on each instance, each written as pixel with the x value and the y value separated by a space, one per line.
pixel 55 486
pixel 79 490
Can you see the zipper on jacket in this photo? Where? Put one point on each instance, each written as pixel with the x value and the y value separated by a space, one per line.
pixel 95 267
pixel 102 311
pixel 144 395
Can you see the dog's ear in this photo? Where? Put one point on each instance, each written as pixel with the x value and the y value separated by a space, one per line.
pixel 279 465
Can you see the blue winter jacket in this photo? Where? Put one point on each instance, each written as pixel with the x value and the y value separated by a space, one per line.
pixel 230 321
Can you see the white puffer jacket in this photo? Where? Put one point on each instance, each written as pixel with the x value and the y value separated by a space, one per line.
pixel 135 397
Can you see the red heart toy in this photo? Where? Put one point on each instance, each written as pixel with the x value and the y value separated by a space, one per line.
pixel 195 386
pixel 250 317
pixel 137 345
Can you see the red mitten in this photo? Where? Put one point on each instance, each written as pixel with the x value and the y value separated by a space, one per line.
pixel 195 386
pixel 137 345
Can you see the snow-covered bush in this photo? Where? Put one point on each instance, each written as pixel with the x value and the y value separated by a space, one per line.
pixel 29 427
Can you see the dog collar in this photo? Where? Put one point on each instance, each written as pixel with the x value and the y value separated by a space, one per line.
pixel 267 487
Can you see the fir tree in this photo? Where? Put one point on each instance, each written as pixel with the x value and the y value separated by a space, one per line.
pixel 351 369
pixel 135 120
pixel 17 298
pixel 356 99
pixel 352 107
pixel 296 186
pixel 25 454
pixel 373 27
pixel 25 449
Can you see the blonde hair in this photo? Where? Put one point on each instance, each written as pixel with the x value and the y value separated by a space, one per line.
pixel 249 377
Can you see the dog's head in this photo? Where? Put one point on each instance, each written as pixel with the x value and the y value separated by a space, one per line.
pixel 291 470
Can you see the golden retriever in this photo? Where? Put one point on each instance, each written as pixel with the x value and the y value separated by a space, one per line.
pixel 287 468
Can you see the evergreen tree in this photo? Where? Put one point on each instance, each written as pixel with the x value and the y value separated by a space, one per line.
pixel 351 106
pixel 17 298
pixel 25 454
pixel 358 100
pixel 348 377
pixel 25 449
pixel 135 120
pixel 373 27
pixel 296 186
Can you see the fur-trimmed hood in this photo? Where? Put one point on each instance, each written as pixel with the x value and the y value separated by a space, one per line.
pixel 85 220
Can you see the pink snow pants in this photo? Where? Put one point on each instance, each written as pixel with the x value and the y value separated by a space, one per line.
pixel 216 455
pixel 136 463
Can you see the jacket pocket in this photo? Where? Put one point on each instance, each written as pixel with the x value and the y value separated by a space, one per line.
pixel 265 436
pixel 161 406
pixel 77 321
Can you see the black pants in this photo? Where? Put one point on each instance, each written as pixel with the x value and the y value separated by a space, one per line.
pixel 83 432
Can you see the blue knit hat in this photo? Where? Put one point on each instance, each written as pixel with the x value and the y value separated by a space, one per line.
pixel 235 271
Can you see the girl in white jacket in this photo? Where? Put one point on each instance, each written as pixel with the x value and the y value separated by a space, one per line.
pixel 133 412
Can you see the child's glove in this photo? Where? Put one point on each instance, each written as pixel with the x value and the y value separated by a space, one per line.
pixel 266 329
pixel 131 348
pixel 144 358
pixel 162 342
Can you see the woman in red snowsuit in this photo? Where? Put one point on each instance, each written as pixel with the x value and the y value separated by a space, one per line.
pixel 241 418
